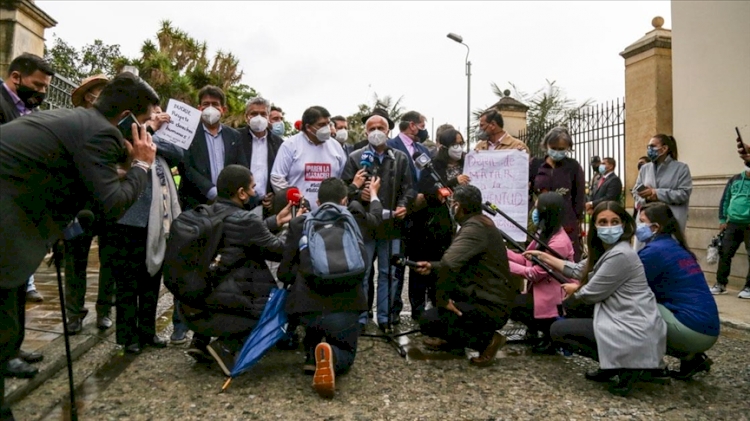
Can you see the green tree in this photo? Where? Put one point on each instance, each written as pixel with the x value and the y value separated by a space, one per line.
pixel 77 65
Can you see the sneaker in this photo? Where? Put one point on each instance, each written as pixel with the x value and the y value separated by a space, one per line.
pixel 745 293
pixel 222 355
pixel 34 296
pixel 198 351
pixel 718 289
pixel 179 335
pixel 324 381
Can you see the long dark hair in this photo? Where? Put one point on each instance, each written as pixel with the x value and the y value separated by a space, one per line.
pixel 660 213
pixel 447 139
pixel 550 207
pixel 669 142
pixel 595 244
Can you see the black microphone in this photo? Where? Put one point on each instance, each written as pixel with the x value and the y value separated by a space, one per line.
pixel 423 162
pixel 82 222
pixel 401 260
pixel 489 208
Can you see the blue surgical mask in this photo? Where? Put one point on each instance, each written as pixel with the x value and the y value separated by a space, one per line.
pixel 643 232
pixel 652 154
pixel 278 128
pixel 609 235
pixel 602 169
pixel 556 155
pixel 535 217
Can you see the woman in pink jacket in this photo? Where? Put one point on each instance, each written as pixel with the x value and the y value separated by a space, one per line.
pixel 540 306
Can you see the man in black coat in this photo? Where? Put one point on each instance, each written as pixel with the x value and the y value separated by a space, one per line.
pixel 333 315
pixel 607 187
pixel 214 146
pixel 51 164
pixel 25 86
pixel 260 147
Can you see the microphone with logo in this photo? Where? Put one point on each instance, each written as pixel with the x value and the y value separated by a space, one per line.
pixel 293 195
pixel 82 222
pixel 367 162
pixel 424 163
pixel 401 261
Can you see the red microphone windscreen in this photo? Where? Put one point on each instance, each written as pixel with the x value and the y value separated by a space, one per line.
pixel 293 195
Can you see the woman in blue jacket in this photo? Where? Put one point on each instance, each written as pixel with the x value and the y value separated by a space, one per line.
pixel 681 291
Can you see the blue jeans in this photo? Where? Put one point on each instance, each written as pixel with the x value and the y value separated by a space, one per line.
pixel 384 259
pixel 341 331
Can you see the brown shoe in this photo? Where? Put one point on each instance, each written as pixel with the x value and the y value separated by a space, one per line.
pixel 487 357
pixel 434 344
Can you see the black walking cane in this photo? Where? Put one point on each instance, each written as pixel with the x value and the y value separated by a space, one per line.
pixel 57 257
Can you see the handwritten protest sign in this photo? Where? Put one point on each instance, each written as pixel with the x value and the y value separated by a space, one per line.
pixel 182 126
pixel 503 178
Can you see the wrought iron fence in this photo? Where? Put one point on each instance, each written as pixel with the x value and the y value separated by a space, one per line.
pixel 597 130
pixel 58 93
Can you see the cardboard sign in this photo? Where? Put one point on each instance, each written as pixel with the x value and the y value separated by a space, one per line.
pixel 503 178
pixel 180 131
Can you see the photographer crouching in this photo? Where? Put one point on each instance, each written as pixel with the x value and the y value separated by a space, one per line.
pixel 474 287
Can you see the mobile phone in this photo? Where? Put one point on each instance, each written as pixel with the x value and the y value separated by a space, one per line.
pixel 126 126
pixel 740 142
pixel 641 188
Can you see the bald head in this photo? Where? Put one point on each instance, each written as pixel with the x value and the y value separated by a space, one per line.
pixel 376 122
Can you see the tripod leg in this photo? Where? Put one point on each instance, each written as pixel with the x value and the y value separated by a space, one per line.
pixel 58 255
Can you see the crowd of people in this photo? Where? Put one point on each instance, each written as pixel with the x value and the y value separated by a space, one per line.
pixel 632 295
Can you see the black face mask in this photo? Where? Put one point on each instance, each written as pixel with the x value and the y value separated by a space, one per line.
pixel 31 97
pixel 422 135
pixel 253 202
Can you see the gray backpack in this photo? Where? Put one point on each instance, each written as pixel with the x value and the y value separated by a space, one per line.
pixel 332 240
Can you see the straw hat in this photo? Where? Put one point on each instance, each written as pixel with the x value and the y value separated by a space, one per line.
pixel 91 82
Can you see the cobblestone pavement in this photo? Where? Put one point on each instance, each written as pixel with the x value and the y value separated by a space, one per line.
pixel 167 384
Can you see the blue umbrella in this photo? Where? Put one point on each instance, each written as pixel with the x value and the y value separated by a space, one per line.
pixel 270 328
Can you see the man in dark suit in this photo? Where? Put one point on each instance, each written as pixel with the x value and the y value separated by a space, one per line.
pixel 214 146
pixel 409 141
pixel 51 164
pixel 260 146
pixel 24 89
pixel 609 186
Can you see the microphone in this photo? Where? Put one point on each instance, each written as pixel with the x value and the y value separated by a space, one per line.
pixel 366 161
pixel 293 195
pixel 401 261
pixel 489 208
pixel 423 162
pixel 83 221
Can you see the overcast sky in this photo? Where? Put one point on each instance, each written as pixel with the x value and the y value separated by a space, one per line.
pixel 337 54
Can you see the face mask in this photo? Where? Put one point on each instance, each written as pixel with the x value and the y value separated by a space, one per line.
pixel 30 97
pixel 602 169
pixel 278 128
pixel 455 152
pixel 609 235
pixel 556 156
pixel 481 134
pixel 258 124
pixel 535 217
pixel 210 115
pixel 643 232
pixel 653 154
pixel 323 133
pixel 342 135
pixel 422 135
pixel 376 138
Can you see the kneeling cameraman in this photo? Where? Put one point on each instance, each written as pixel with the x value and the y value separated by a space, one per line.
pixel 474 288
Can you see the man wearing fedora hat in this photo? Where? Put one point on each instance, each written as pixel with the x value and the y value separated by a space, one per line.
pixel 77 249
pixel 377 111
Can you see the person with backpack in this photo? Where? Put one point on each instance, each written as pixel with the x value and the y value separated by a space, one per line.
pixel 325 261
pixel 223 296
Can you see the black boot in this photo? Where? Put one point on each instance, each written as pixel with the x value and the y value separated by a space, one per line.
pixel 689 368
pixel 625 382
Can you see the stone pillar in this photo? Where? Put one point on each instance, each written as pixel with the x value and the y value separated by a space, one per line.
pixel 513 112
pixel 648 95
pixel 22 26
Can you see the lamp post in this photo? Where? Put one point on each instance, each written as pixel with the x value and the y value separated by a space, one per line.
pixel 459 39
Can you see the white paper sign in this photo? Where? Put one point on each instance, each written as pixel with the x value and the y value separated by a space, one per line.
pixel 182 126
pixel 503 178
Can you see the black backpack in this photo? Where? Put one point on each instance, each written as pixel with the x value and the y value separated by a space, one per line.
pixel 194 237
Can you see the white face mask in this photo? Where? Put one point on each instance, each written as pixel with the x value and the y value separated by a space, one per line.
pixel 342 135
pixel 377 138
pixel 323 133
pixel 258 124
pixel 455 152
pixel 278 128
pixel 210 116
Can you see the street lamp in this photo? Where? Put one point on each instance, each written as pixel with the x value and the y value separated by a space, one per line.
pixel 459 39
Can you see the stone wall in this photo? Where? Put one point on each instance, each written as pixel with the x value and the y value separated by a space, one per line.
pixel 22 26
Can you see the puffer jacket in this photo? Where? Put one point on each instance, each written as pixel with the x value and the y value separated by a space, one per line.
pixel 243 281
